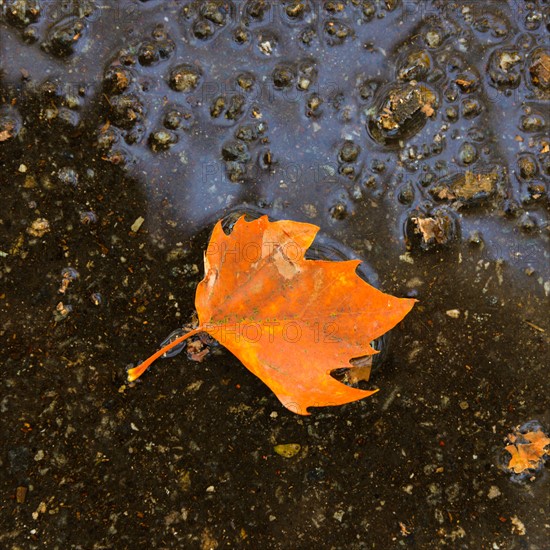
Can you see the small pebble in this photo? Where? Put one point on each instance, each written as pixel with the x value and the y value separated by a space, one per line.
pixel 39 227
pixel 62 311
pixel 137 224
pixel 96 298
pixel 20 495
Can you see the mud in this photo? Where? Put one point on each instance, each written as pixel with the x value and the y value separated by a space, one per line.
pixel 415 134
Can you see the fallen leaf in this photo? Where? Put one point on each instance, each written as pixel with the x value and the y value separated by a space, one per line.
pixel 527 450
pixel 432 229
pixel 468 186
pixel 518 527
pixel 465 84
pixel 540 70
pixel 8 131
pixel 291 321
pixel 197 350
pixel 428 110
pixel 508 60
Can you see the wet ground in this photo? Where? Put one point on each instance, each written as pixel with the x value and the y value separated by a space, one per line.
pixel 415 134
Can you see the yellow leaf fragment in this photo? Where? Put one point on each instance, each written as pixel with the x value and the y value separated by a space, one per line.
pixel 287 450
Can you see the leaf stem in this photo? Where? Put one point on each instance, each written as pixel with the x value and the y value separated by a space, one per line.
pixel 136 372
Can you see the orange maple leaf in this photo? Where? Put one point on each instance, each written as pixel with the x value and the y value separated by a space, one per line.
pixel 291 321
pixel 527 450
